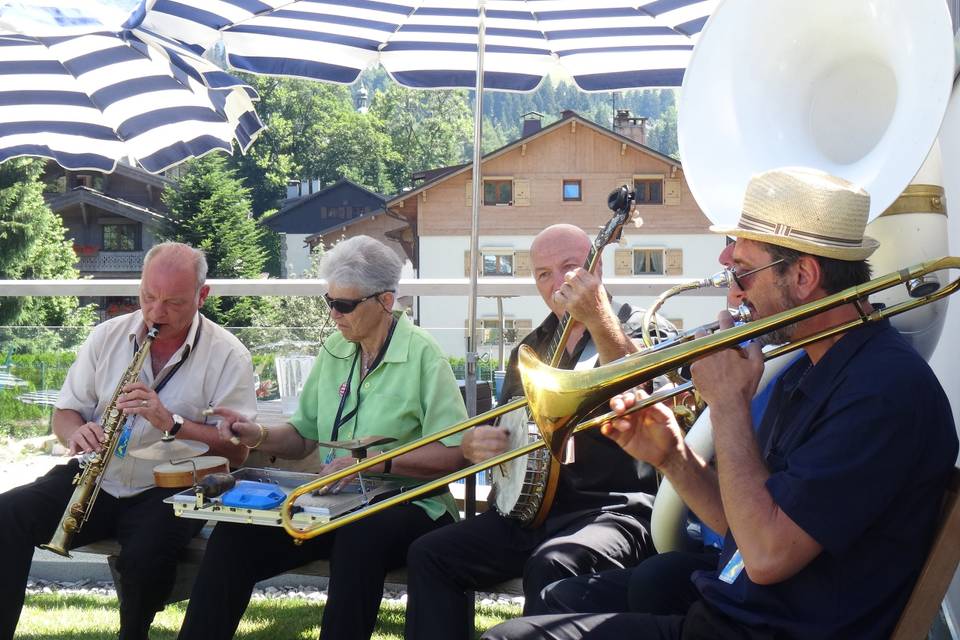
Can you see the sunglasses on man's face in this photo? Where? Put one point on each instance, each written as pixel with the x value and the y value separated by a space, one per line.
pixel 741 279
pixel 347 305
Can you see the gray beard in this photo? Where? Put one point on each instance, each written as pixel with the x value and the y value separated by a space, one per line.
pixel 783 335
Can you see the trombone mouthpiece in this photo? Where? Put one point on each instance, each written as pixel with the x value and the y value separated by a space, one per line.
pixel 720 280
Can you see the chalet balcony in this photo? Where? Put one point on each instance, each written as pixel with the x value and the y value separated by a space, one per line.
pixel 111 261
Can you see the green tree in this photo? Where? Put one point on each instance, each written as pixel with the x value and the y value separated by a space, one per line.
pixel 210 210
pixel 21 201
pixel 291 324
pixel 428 129
pixel 663 133
pixel 313 132
pixel 33 246
pixel 355 146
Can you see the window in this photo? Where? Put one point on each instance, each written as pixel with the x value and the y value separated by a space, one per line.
pixel 88 180
pixel 648 261
pixel 649 190
pixel 498 192
pixel 497 264
pixel 513 331
pixel 571 191
pixel 121 237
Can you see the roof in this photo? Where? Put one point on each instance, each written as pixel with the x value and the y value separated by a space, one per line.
pixel 297 216
pixel 84 195
pixel 334 224
pixel 570 116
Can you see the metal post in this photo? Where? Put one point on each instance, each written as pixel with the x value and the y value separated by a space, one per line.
pixel 471 360
pixel 470 376
pixel 502 324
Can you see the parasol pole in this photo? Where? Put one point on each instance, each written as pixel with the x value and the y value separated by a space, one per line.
pixel 470 376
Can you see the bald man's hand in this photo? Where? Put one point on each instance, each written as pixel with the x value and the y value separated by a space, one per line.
pixel 582 296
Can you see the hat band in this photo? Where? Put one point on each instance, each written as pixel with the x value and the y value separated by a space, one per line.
pixel 749 223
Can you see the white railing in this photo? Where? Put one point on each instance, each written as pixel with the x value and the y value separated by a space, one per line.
pixel 486 287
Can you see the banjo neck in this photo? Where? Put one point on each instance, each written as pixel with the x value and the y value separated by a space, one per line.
pixel 561 335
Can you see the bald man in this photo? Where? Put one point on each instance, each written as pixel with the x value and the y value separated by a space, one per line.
pixel 193 364
pixel 600 518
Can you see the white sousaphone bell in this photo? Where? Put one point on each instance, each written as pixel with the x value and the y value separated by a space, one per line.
pixel 858 89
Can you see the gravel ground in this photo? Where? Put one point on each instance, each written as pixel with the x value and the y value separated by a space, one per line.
pixel 390 594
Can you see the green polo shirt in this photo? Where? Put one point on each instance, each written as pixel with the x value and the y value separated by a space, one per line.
pixel 412 393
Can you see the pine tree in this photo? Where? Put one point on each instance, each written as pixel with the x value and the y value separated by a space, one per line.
pixel 33 247
pixel 210 210
pixel 21 202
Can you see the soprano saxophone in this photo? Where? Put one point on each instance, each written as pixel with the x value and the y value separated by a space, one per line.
pixel 88 481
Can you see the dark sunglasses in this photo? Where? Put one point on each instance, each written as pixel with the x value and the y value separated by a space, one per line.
pixel 345 305
pixel 739 278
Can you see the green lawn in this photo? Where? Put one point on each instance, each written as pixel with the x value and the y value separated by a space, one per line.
pixel 93 617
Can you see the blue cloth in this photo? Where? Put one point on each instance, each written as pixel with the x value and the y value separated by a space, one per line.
pixel 859 449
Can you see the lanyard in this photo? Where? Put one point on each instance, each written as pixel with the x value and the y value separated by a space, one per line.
pixel 186 353
pixel 341 419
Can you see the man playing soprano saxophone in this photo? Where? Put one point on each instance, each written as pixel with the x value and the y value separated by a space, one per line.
pixel 193 364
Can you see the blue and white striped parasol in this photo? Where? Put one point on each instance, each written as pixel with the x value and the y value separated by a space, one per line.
pixel 86 94
pixel 602 44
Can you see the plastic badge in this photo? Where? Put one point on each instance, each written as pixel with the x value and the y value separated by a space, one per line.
pixel 733 568
pixel 248 494
pixel 124 439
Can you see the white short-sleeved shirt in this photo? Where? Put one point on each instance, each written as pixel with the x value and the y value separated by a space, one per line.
pixel 217 371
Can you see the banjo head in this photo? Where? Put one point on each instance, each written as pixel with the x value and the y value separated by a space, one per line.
pixel 519 484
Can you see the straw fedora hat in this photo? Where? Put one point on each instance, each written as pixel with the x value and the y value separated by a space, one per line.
pixel 807 210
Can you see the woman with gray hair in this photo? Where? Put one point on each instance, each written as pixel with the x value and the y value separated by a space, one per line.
pixel 378 375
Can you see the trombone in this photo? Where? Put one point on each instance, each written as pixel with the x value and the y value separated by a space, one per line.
pixel 560 400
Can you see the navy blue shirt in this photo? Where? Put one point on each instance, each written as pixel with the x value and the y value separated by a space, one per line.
pixel 859 449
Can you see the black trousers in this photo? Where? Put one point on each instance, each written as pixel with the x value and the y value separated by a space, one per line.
pixel 699 623
pixel 659 585
pixel 360 554
pixel 483 551
pixel 654 601
pixel 150 538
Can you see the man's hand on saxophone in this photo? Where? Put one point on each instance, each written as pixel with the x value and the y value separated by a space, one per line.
pixel 89 437
pixel 139 399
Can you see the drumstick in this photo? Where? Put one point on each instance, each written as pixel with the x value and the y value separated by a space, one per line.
pixel 234 440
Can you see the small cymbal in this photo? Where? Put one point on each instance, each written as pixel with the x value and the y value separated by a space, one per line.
pixel 170 450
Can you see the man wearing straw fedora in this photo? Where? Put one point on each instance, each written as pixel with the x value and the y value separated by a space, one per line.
pixel 830 507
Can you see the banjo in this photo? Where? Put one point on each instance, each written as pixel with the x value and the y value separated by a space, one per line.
pixel 524 487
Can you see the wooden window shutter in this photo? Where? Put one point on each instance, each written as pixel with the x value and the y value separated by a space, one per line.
pixel 671 191
pixel 623 262
pixel 521 264
pixel 468 196
pixel 521 193
pixel 673 262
